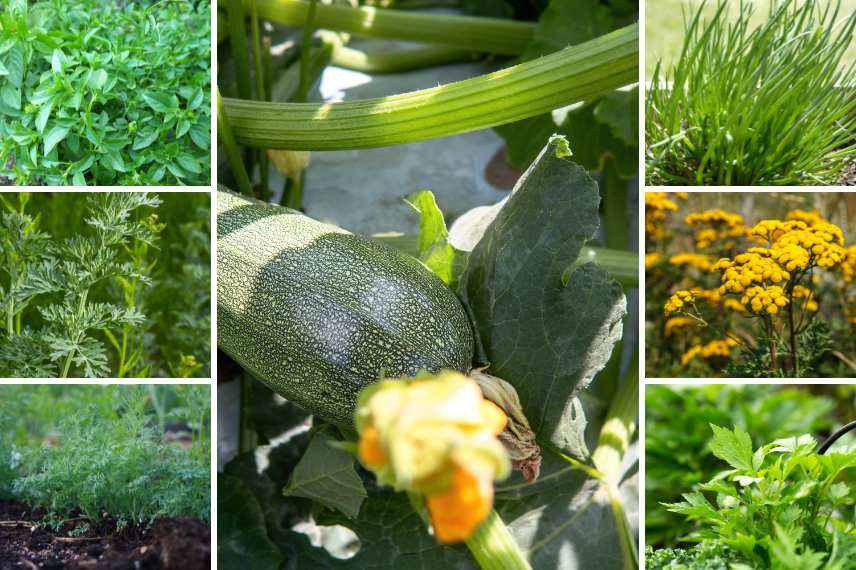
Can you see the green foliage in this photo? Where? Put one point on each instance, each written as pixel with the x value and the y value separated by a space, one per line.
pixel 105 93
pixel 550 517
pixel 704 556
pixel 67 302
pixel 679 452
pixel 602 129
pixel 815 343
pixel 747 105
pixel 94 450
pixel 781 506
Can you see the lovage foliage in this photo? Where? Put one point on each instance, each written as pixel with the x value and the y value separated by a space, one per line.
pixel 104 93
pixel 779 506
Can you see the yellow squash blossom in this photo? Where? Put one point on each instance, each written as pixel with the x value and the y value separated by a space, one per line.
pixel 436 436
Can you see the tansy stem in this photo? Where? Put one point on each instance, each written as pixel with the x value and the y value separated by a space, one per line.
pixel 771 339
pixel 494 548
pixel 792 332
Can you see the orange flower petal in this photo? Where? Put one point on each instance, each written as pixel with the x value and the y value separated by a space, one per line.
pixel 493 417
pixel 458 512
pixel 369 448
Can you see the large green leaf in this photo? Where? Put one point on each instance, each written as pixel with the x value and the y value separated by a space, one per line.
pixel 546 339
pixel 326 475
pixel 242 539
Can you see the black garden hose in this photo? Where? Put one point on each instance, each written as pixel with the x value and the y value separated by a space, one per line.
pixel 824 447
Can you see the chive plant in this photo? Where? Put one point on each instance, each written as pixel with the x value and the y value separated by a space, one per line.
pixel 755 105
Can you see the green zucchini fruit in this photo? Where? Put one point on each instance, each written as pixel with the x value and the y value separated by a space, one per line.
pixel 318 313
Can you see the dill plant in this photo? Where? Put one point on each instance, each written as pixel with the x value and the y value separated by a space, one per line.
pixel 110 456
pixel 745 105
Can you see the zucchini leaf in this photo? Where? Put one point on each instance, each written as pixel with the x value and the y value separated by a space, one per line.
pixel 546 339
pixel 607 124
pixel 434 249
pixel 242 536
pixel 326 474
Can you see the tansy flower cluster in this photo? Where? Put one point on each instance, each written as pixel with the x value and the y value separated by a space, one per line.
pixel 657 205
pixel 752 267
pixel 714 226
pixel 696 260
pixel 436 436
pixel 804 293
pixel 678 300
pixel 764 299
pixel 678 322
pixel 651 259
pixel 848 266
pixel 709 350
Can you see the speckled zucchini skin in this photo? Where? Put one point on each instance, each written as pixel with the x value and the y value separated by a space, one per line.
pixel 317 313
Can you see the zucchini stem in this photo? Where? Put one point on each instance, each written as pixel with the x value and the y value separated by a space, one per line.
pixel 224 133
pixel 568 76
pixel 492 35
pixel 494 548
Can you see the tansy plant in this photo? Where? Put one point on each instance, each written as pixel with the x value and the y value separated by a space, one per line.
pixel 772 284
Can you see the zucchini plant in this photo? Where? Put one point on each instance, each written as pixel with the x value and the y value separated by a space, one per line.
pixel 518 294
pixel 316 313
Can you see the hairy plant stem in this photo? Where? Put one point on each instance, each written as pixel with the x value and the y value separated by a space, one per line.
pixel 494 548
pixel 492 35
pixel 568 76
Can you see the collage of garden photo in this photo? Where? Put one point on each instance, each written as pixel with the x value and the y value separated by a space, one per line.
pixel 430 284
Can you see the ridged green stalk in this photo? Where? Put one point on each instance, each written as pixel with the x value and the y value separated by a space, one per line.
pixel 494 548
pixel 568 76
pixel 493 35
pixel 400 60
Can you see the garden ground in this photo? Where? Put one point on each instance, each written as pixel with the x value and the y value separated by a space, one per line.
pixel 177 543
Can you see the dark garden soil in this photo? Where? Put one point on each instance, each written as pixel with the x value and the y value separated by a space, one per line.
pixel 168 544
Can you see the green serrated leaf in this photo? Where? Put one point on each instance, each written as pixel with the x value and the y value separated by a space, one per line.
pixel 733 447
pixel 326 474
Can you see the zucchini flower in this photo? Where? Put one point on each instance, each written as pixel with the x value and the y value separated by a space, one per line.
pixel 436 436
